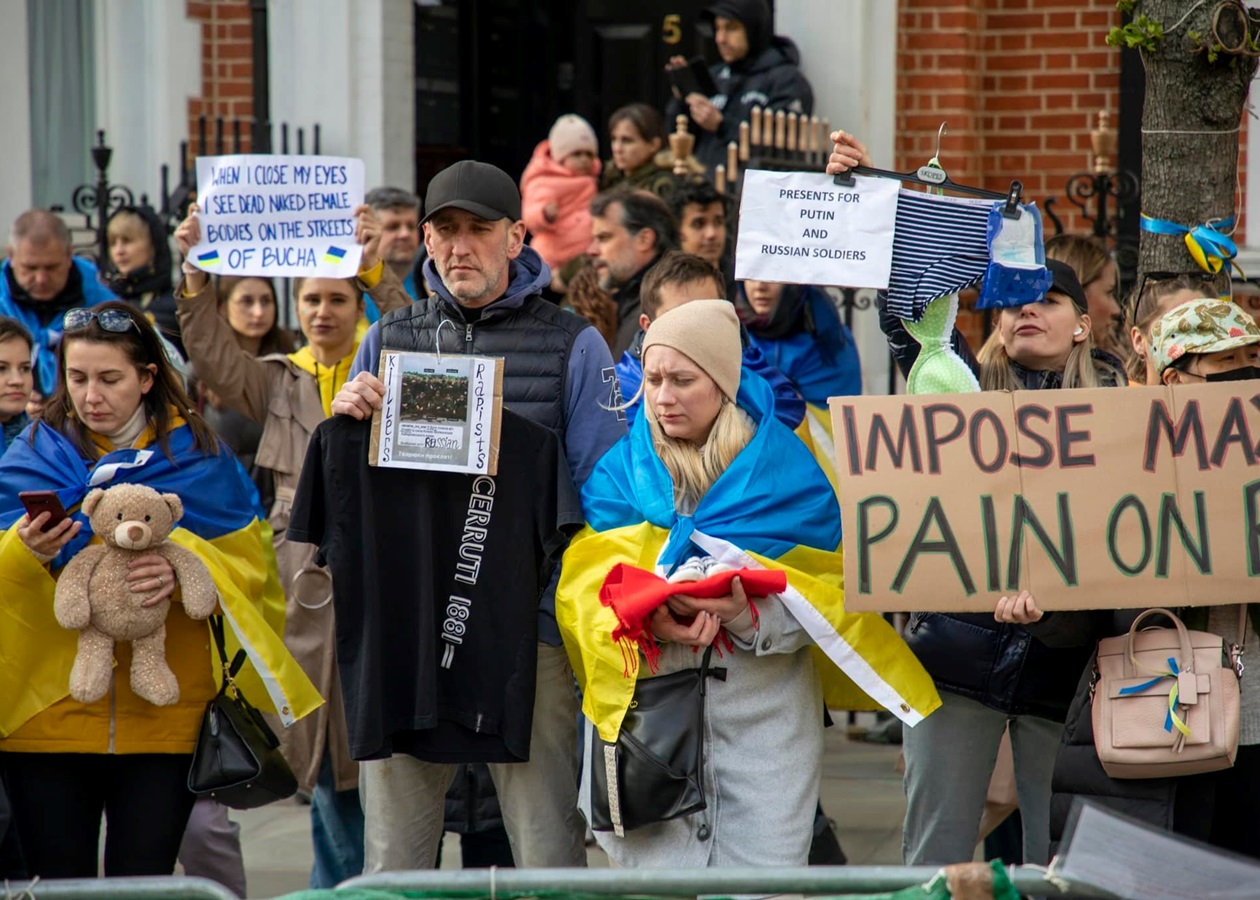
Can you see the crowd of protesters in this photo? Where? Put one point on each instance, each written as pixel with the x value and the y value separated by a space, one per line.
pixel 606 284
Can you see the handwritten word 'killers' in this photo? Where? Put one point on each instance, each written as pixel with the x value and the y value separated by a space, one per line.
pixel 471 547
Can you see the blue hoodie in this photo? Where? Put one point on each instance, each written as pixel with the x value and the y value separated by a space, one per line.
pixel 591 425
pixel 806 340
pixel 48 336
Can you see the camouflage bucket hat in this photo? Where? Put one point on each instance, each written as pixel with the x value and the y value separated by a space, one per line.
pixel 1200 327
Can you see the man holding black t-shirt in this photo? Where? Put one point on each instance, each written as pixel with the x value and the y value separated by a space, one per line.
pixel 558 374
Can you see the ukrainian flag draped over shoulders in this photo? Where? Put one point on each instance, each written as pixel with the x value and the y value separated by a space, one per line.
pixel 222 524
pixel 774 508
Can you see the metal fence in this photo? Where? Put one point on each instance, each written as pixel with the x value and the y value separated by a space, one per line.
pixel 813 880
pixel 99 199
pixel 499 884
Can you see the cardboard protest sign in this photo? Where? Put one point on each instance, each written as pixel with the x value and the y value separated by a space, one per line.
pixel 1090 499
pixel 441 412
pixel 802 228
pixel 286 216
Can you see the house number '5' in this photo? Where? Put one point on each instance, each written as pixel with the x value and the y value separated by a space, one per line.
pixel 671 29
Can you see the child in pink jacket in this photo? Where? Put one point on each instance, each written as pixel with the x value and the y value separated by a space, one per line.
pixel 556 191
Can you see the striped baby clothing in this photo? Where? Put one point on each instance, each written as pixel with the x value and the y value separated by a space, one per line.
pixel 940 246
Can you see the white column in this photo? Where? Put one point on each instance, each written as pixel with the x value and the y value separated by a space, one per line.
pixel 349 67
pixel 15 113
pixel 148 64
pixel 1249 255
pixel 849 54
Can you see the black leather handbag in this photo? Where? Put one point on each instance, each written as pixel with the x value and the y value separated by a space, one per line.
pixel 655 770
pixel 237 760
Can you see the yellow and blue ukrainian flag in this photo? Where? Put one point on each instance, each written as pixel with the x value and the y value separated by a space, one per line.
pixel 223 524
pixel 772 508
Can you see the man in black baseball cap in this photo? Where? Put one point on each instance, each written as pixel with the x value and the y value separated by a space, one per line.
pixel 558 373
pixel 484 190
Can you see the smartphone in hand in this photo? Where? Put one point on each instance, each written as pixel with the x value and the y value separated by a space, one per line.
pixel 37 502
pixel 693 78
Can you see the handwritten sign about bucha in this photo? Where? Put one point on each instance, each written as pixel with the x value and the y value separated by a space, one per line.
pixel 1091 499
pixel 286 216
pixel 802 228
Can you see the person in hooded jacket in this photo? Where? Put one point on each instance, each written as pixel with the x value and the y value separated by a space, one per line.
pixel 758 68
pixel 797 328
pixel 40 281
pixel 993 673
pixel 290 394
pixel 139 268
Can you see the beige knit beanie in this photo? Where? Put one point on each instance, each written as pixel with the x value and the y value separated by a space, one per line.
pixel 570 134
pixel 707 333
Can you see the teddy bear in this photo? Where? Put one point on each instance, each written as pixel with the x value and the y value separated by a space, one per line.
pixel 93 597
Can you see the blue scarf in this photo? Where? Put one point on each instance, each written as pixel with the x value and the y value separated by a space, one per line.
pixel 217 495
pixel 771 498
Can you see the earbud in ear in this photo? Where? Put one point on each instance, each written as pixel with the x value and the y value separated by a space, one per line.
pixel 1079 331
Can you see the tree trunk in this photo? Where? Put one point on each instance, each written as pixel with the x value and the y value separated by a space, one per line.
pixel 1190 122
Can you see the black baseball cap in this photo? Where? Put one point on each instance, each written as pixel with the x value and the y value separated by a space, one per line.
pixel 1066 282
pixel 476 187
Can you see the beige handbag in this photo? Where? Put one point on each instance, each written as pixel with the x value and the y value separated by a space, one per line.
pixel 1166 700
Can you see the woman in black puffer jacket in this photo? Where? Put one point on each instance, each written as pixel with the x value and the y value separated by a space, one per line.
pixel 995 674
pixel 992 675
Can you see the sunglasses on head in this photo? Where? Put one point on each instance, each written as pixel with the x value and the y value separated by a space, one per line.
pixel 1150 279
pixel 112 320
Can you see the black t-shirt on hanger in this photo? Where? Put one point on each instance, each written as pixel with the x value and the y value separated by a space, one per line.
pixel 436 583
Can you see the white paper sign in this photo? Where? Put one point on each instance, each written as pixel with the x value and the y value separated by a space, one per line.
pixel 803 228
pixel 286 216
pixel 438 413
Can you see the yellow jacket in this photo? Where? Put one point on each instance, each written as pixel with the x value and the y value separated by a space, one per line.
pixel 36 654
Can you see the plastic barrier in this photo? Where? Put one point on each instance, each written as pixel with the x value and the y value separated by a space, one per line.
pixel 816 880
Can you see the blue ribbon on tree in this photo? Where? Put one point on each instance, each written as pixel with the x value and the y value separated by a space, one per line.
pixel 1208 243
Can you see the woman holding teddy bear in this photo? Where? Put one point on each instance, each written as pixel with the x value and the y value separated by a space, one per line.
pixel 121 415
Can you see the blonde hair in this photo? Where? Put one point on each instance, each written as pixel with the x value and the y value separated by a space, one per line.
pixel 1086 255
pixel 695 467
pixel 1141 312
pixel 1080 370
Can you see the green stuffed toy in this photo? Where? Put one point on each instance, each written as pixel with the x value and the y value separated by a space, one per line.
pixel 938 370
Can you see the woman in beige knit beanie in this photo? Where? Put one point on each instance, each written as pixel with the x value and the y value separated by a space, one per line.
pixel 746 494
pixel 692 357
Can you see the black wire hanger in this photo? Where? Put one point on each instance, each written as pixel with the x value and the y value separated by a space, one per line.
pixel 932 175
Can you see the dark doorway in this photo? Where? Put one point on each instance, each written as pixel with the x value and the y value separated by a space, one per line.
pixel 492 75
pixel 622 49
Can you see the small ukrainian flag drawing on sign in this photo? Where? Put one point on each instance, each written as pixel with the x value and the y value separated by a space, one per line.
pixel 334 255
pixel 208 259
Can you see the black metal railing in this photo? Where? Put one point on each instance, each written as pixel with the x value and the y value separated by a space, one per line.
pixel 99 199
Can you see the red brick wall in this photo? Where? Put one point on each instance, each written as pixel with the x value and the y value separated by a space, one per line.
pixel 1020 83
pixel 227 70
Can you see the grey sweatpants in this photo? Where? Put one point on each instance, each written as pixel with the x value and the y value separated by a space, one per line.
pixel 949 760
pixel 404 798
